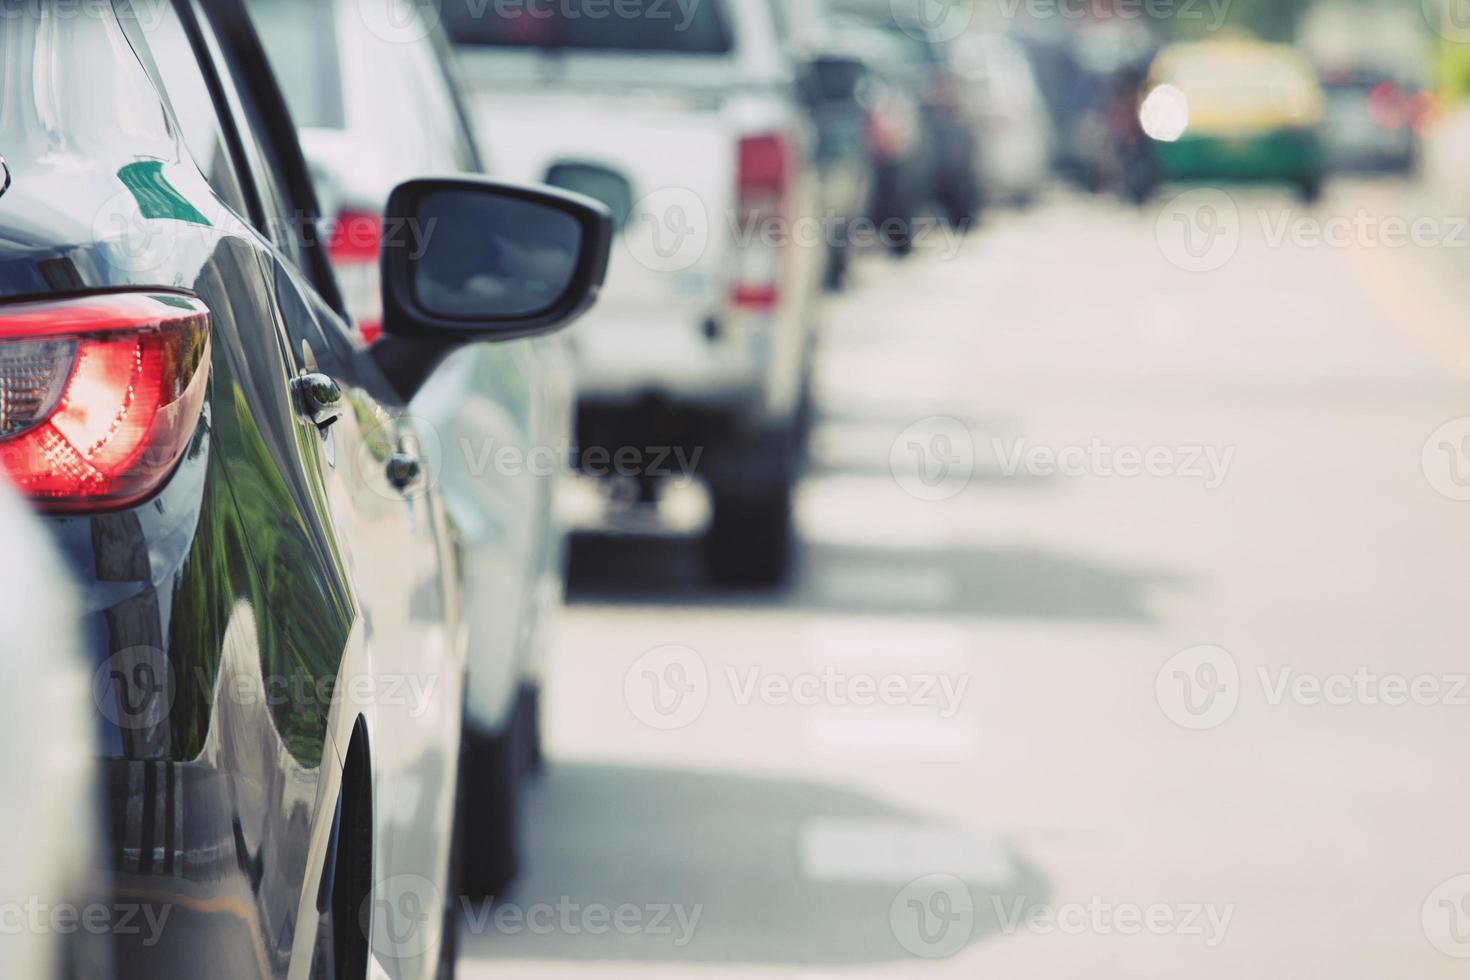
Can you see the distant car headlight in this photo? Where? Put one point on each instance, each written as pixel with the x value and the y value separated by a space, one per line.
pixel 1165 114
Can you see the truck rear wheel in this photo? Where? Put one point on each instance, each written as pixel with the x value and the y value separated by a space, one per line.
pixel 749 542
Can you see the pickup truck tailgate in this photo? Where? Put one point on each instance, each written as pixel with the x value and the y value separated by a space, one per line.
pixel 678 155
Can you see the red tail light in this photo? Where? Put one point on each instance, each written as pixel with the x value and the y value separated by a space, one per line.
pixel 99 395
pixel 891 129
pixel 353 250
pixel 767 167
pixel 1389 106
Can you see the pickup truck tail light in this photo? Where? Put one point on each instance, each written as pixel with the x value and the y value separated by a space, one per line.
pixel 99 395
pixel 354 251
pixel 767 168
pixel 892 127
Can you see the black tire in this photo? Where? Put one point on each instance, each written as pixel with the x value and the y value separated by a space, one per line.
pixel 962 205
pixel 749 542
pixel 342 928
pixel 1309 191
pixel 490 846
pixel 838 259
pixel 528 731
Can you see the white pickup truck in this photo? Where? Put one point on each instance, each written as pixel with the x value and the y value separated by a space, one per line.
pixel 685 117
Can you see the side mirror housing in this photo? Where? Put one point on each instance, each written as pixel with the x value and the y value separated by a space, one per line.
pixel 467 259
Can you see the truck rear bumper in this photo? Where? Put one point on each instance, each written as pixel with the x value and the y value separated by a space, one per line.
pixel 625 359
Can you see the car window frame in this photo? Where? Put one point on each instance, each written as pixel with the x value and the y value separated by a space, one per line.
pixel 228 48
pixel 139 40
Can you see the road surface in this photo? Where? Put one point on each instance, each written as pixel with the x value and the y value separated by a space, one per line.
pixel 1127 639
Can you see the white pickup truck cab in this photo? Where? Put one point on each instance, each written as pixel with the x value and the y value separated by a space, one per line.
pixel 686 119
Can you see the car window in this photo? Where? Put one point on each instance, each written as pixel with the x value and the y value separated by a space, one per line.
pixel 392 96
pixel 630 25
pixel 300 39
pixel 288 221
pixel 167 51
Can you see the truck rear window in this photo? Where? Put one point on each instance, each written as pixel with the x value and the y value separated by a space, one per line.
pixel 667 26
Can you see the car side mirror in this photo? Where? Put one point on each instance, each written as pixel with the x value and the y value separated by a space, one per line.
pixel 469 259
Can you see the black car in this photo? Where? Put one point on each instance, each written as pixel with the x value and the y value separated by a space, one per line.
pixel 270 587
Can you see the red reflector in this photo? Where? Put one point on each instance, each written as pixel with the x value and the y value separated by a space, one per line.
pixel 356 237
pixel 757 298
pixel 99 395
pixel 353 251
pixel 766 163
pixel 1389 106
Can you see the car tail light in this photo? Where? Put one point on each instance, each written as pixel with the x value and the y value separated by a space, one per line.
pixel 942 91
pixel 1389 106
pixel 354 250
pixel 891 129
pixel 99 395
pixel 767 167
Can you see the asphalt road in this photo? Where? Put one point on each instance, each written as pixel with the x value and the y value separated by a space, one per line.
pixel 1127 639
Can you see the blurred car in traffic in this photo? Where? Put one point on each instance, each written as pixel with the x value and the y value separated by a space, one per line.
pixel 1373 121
pixel 1087 74
pixel 1235 110
pixel 268 574
pixel 950 117
pixel 375 109
pixel 831 85
pixel 695 136
pixel 51 815
pixel 893 131
pixel 1013 151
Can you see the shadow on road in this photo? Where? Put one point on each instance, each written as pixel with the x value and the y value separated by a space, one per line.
pixel 731 845
pixel 1000 582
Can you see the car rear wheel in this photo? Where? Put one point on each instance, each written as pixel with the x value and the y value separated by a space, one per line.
pixel 491 771
pixel 749 542
pixel 1309 191
pixel 341 945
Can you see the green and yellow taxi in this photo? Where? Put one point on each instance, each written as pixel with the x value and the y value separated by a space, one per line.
pixel 1235 110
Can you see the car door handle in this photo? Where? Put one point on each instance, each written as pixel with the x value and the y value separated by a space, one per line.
pixel 318 398
pixel 404 470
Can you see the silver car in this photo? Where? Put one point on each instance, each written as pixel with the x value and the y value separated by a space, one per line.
pixel 371 89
